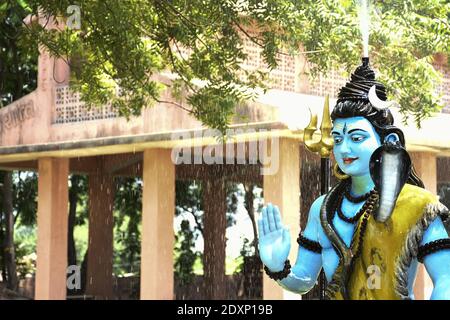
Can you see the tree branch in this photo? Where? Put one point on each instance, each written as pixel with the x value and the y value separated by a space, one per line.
pixel 175 104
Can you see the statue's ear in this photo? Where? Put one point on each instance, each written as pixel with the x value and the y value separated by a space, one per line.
pixel 392 138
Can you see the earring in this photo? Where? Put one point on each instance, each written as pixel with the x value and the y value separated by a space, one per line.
pixel 338 173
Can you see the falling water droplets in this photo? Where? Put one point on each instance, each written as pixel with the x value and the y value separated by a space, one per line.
pixel 364 23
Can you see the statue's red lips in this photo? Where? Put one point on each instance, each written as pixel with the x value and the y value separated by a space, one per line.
pixel 348 160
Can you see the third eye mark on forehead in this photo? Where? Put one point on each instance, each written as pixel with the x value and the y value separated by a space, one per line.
pixel 345 129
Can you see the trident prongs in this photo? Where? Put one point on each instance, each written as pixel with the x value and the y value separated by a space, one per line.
pixel 325 144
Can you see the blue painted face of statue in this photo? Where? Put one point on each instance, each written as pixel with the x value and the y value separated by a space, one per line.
pixel 355 139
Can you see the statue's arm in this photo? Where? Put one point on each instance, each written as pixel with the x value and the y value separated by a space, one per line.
pixel 304 273
pixel 435 247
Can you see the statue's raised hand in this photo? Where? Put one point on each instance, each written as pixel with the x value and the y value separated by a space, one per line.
pixel 274 238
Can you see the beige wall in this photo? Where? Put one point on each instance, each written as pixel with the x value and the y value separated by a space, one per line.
pixel 425 164
pixel 52 224
pixel 283 189
pixel 31 119
pixel 158 208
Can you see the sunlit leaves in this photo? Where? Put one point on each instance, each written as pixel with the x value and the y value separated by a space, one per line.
pixel 18 60
pixel 123 43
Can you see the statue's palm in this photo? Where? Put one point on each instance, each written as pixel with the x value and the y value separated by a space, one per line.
pixel 274 239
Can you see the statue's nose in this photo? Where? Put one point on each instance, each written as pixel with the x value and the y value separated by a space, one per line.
pixel 345 148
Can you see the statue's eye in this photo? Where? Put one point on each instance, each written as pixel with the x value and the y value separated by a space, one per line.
pixel 337 140
pixel 357 138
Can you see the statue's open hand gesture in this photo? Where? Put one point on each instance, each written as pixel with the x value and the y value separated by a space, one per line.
pixel 274 238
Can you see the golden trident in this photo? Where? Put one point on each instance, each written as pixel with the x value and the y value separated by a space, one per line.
pixel 325 144
pixel 323 148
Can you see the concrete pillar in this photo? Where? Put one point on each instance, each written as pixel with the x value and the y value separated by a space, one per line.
pixel 283 189
pixel 158 207
pixel 99 281
pixel 425 164
pixel 214 205
pixel 443 170
pixel 52 220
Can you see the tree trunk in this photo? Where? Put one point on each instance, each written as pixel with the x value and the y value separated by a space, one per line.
pixel 249 198
pixel 2 246
pixel 10 253
pixel 73 200
pixel 84 272
pixel 215 224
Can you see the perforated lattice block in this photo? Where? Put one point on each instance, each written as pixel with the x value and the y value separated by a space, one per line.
pixel 69 108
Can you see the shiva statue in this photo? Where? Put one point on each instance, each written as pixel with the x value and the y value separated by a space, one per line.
pixel 377 217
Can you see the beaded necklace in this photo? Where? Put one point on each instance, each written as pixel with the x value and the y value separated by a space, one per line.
pixel 367 206
pixel 355 199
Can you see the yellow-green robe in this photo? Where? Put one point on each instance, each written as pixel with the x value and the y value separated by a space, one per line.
pixel 390 246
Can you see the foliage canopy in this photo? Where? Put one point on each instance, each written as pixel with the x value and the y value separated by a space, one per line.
pixel 127 43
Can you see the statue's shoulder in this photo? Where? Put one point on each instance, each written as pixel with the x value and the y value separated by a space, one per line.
pixel 314 211
pixel 415 202
pixel 414 194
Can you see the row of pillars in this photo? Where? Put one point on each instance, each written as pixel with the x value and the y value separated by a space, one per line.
pixel 52 229
pixel 157 229
pixel 157 225
pixel 157 282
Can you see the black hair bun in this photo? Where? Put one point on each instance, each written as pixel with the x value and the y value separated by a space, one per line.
pixel 362 79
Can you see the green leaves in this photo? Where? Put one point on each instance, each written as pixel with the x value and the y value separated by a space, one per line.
pixel 124 43
pixel 127 221
pixel 25 197
pixel 405 41
pixel 185 254
pixel 18 60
